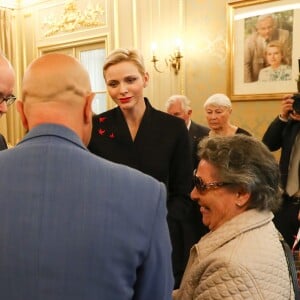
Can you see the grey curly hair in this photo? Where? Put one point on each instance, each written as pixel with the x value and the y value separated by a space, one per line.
pixel 248 164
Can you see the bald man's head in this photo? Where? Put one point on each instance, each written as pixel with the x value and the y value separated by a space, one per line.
pixel 56 89
pixel 55 77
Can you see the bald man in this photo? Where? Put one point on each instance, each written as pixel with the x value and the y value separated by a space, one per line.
pixel 7 81
pixel 73 225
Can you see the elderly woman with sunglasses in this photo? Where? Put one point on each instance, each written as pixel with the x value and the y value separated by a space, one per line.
pixel 236 186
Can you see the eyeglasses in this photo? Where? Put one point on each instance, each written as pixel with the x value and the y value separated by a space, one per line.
pixel 8 99
pixel 202 187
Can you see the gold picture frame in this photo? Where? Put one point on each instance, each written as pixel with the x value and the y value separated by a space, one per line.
pixel 243 13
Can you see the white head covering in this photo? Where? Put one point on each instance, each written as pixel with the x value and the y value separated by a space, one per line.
pixel 218 100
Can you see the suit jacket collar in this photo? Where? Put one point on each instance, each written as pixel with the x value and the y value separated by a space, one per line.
pixel 120 129
pixel 53 130
pixel 192 126
pixel 149 107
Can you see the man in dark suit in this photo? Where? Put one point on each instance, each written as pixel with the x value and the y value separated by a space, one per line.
pixel 179 106
pixel 75 226
pixel 7 81
pixel 284 133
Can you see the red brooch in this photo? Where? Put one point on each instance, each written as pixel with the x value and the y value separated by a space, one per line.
pixel 101 131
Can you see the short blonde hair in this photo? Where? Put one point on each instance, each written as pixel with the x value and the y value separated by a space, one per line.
pixel 218 100
pixel 123 54
pixel 277 44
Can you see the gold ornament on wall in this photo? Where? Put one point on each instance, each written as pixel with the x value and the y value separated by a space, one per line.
pixel 74 19
pixel 173 60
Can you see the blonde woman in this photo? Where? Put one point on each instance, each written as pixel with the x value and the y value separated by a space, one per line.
pixel 277 69
pixel 137 135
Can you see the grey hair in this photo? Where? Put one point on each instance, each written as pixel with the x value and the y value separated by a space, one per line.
pixel 267 16
pixel 185 102
pixel 248 164
pixel 218 100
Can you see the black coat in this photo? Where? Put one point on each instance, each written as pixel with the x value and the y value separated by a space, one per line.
pixel 3 144
pixel 196 133
pixel 161 149
pixel 282 135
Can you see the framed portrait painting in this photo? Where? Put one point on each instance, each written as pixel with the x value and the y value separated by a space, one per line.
pixel 263 48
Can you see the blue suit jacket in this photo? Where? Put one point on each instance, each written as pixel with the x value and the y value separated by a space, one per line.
pixel 75 226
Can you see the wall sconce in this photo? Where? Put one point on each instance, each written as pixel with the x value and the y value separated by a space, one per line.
pixel 174 60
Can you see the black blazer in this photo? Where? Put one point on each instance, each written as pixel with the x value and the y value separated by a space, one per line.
pixel 161 149
pixel 3 144
pixel 196 133
pixel 282 135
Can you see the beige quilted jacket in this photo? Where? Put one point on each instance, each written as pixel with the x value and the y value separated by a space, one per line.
pixel 243 259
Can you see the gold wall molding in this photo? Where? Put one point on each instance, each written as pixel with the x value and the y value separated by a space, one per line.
pixel 216 48
pixel 73 19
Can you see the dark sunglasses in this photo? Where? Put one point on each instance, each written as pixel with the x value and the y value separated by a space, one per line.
pixel 202 187
pixel 8 99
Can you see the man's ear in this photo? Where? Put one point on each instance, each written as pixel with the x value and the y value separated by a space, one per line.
pixel 20 109
pixel 88 113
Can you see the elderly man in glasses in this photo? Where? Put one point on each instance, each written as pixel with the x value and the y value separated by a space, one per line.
pixel 7 81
